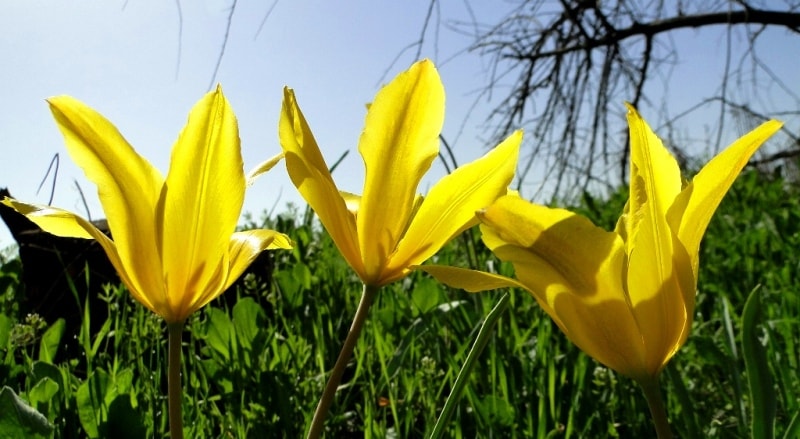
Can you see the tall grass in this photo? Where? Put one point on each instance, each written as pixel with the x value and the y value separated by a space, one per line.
pixel 255 363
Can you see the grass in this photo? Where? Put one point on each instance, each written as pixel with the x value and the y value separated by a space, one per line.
pixel 255 363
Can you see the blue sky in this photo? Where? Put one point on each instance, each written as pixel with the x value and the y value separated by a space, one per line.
pixel 123 58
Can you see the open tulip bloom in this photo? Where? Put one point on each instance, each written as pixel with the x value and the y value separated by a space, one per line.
pixel 390 229
pixel 625 297
pixel 174 241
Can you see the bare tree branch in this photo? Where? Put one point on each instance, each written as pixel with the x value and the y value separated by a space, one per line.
pixel 224 45
pixel 563 66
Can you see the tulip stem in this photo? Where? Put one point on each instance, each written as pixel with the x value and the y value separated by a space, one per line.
pixel 652 392
pixel 367 297
pixel 174 380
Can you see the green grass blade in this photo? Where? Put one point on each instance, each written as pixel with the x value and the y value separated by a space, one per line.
pixel 793 430
pixel 734 368
pixel 463 376
pixel 762 394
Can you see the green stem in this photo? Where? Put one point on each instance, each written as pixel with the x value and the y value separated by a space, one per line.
pixel 652 392
pixel 463 375
pixel 367 297
pixel 174 380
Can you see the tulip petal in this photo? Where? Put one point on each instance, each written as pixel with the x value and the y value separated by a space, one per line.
pixel 558 238
pixel 449 208
pixel 127 185
pixel 697 203
pixel 310 175
pixel 60 222
pixel 472 281
pixel 656 287
pixel 661 289
pixel 399 143
pixel 262 168
pixel 244 247
pixel 578 285
pixel 201 203
pixel 655 177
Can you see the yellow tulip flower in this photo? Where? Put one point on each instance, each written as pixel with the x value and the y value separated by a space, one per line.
pixel 625 297
pixel 174 241
pixel 390 228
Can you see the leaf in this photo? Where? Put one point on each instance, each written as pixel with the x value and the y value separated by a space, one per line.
pixel 41 394
pixel 426 294
pixel 248 317
pixel 219 331
pixel 93 398
pixel 759 377
pixel 18 419
pixel 123 420
pixel 42 370
pixel 496 411
pixel 293 283
pixel 5 330
pixel 51 339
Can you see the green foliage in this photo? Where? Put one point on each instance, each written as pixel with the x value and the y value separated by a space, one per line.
pixel 19 419
pixel 255 361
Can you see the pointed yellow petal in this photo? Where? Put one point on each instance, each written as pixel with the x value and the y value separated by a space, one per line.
pixel 310 175
pixel 469 280
pixel 399 142
pixel 661 289
pixel 657 288
pixel 244 247
pixel 201 203
pixel 63 223
pixel 699 200
pixel 262 168
pixel 52 220
pixel 655 176
pixel 559 239
pixel 128 187
pixel 655 182
pixel 578 285
pixel 449 208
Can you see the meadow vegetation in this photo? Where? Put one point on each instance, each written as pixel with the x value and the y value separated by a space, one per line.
pixel 254 366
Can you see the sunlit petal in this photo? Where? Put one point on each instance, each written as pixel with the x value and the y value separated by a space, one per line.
pixel 399 143
pixel 699 200
pixel 569 279
pixel 653 290
pixel 655 178
pixel 64 223
pixel 469 280
pixel 449 208
pixel 127 185
pixel 658 283
pixel 202 202
pixel 310 175
pixel 263 167
pixel 558 238
pixel 244 247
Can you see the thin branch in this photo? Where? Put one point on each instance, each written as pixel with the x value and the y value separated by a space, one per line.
pixel 264 20
pixel 788 20
pixel 180 38
pixel 224 45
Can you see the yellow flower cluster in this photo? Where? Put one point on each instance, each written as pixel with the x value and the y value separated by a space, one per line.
pixel 625 297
